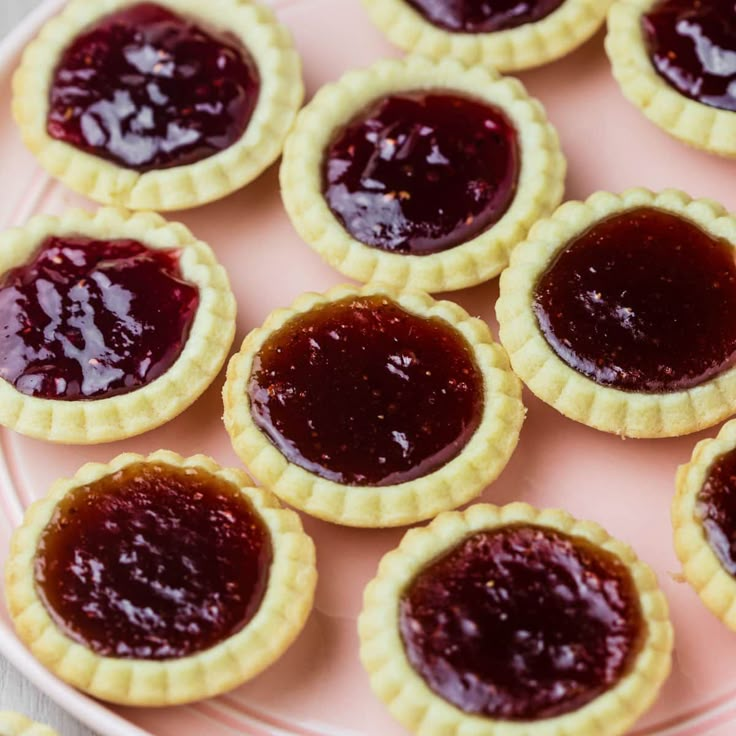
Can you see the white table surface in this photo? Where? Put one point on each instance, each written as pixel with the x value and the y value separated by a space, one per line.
pixel 16 693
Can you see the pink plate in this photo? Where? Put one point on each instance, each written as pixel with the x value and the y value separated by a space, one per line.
pixel 318 688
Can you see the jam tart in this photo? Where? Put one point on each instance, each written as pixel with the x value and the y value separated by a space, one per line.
pixel 612 312
pixel 111 324
pixel 158 105
pixel 420 174
pixel 674 60
pixel 159 580
pixel 15 724
pixel 513 621
pixel 504 35
pixel 373 407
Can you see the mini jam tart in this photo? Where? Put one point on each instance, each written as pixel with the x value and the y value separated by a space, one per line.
pixel 612 312
pixel 502 621
pixel 674 60
pixel 15 724
pixel 158 105
pixel 504 34
pixel 159 580
pixel 372 407
pixel 111 324
pixel 420 174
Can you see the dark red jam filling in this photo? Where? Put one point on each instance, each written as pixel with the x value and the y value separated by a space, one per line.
pixel 90 319
pixel 692 44
pixel 522 623
pixel 148 89
pixel 472 16
pixel 421 172
pixel 153 562
pixel 638 302
pixel 362 392
pixel 716 506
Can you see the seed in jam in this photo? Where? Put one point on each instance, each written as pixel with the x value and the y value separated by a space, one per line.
pixel 637 303
pixel 90 319
pixel 362 392
pixel 692 45
pixel 421 172
pixel 471 16
pixel 716 507
pixel 148 89
pixel 153 562
pixel 522 623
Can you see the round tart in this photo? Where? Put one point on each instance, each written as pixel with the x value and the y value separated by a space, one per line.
pixel 420 174
pixel 159 580
pixel 160 106
pixel 14 724
pixel 674 60
pixel 612 312
pixel 111 324
pixel 373 407
pixel 511 622
pixel 503 34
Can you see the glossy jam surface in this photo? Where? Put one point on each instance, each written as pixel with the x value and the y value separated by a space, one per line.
pixel 362 392
pixel 483 16
pixel 716 506
pixel 421 172
pixel 148 89
pixel 153 562
pixel 638 302
pixel 90 319
pixel 522 623
pixel 692 44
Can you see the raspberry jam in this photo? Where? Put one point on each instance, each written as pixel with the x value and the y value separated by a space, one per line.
pixel 716 507
pixel 148 89
pixel 638 302
pixel 90 319
pixel 362 392
pixel 692 44
pixel 421 172
pixel 471 16
pixel 522 623
pixel 153 562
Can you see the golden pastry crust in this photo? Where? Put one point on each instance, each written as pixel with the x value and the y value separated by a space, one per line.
pixel 281 616
pixel 15 724
pixel 460 480
pixel 539 191
pixel 419 709
pixel 181 187
pixel 626 413
pixel 526 46
pixel 692 122
pixel 700 565
pixel 210 338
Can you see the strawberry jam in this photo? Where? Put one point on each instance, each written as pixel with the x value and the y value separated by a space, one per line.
pixel 716 506
pixel 692 44
pixel 421 172
pixel 362 392
pixel 522 623
pixel 148 89
pixel 471 16
pixel 90 319
pixel 153 562
pixel 638 302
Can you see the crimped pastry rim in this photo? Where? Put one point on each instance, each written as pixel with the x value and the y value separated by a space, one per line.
pixel 625 413
pixel 539 191
pixel 280 97
pixel 478 464
pixel 283 612
pixel 210 338
pixel 16 724
pixel 424 713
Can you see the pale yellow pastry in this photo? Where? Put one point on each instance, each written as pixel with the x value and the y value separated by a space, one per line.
pixel 15 724
pixel 159 580
pixel 420 174
pixel 612 312
pixel 514 621
pixel 113 323
pixel 373 407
